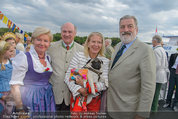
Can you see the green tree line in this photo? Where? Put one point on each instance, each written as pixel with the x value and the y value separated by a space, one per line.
pixel 57 36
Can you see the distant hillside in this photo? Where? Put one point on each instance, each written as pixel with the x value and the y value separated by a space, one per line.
pixel 57 36
pixel 4 30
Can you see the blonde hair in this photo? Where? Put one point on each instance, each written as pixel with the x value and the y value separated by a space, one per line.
pixel 9 35
pixel 10 38
pixel 86 49
pixel 21 37
pixel 28 47
pixel 109 41
pixel 4 46
pixel 40 31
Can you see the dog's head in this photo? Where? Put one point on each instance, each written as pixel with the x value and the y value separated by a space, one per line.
pixel 96 63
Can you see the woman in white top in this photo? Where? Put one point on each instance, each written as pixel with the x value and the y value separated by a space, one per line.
pixel 30 75
pixel 93 48
pixel 20 41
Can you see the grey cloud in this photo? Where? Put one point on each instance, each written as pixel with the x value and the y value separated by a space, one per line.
pixel 90 15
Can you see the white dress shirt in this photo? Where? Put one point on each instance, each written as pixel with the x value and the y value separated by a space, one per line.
pixel 175 64
pixel 20 66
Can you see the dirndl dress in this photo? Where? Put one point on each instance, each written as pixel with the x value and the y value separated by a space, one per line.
pixel 37 93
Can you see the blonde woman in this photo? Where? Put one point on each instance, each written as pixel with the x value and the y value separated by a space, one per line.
pixel 20 41
pixel 6 51
pixel 11 38
pixel 93 48
pixel 31 73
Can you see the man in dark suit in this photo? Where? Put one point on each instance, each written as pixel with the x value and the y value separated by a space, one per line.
pixel 173 81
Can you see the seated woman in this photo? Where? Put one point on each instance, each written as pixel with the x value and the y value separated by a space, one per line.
pixel 31 71
pixel 93 48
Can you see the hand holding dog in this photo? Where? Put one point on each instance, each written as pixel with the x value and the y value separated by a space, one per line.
pixel 83 91
pixel 79 81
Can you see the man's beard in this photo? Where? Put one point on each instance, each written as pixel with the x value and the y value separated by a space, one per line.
pixel 127 37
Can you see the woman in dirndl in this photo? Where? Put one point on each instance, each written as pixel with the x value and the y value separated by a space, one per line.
pixel 30 76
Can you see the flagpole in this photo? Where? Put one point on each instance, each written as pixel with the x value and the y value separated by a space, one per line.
pixel 156 32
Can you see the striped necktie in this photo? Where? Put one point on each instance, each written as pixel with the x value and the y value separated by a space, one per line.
pixel 118 55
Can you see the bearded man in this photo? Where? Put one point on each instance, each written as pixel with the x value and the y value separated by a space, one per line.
pixel 132 75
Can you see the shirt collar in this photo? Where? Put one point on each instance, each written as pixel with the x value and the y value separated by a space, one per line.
pixel 34 53
pixel 157 46
pixel 129 44
pixel 68 45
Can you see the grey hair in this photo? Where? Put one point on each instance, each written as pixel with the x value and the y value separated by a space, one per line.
pixel 75 28
pixel 157 38
pixel 109 41
pixel 41 30
pixel 129 17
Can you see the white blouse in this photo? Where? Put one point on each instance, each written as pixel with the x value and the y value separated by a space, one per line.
pixel 20 66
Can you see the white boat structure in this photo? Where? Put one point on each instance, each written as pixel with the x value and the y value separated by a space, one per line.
pixel 172 45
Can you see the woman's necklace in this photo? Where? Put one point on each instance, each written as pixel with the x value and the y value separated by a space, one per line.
pixel 43 62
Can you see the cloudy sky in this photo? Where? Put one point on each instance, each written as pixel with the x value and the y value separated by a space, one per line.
pixel 93 15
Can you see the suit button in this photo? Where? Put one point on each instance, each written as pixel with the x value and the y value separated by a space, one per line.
pixel 62 91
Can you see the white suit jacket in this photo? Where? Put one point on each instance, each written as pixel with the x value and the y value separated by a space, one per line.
pixel 162 70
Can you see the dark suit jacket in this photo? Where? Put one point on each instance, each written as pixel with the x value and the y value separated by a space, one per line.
pixel 172 59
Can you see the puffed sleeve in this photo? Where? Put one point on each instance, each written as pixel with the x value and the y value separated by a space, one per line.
pixel 71 84
pixel 20 67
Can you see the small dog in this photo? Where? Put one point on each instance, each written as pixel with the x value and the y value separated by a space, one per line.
pixel 96 63
pixel 94 71
pixel 90 72
pixel 93 68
